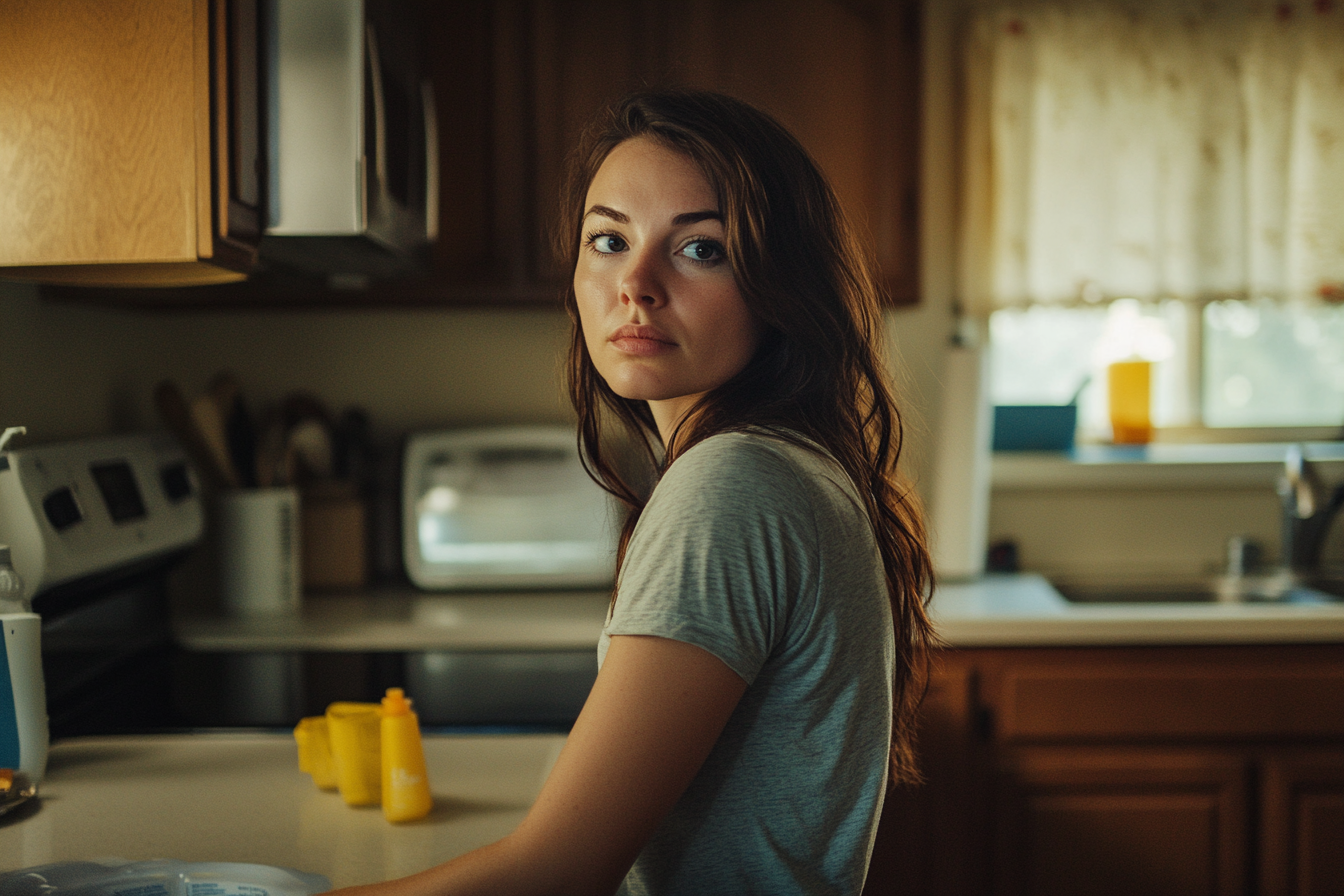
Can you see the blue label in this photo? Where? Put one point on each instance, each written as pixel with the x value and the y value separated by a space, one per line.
pixel 9 719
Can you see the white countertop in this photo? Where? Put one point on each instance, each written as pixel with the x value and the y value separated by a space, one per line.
pixel 241 798
pixel 404 619
pixel 1023 610
pixel 997 610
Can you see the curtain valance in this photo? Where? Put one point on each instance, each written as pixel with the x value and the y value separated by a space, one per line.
pixel 1119 148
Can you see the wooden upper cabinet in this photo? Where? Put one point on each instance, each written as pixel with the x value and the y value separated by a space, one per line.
pixel 122 161
pixel 842 76
pixel 118 167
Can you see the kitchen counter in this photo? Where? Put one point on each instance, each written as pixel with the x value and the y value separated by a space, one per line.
pixel 241 798
pixel 405 619
pixel 995 611
pixel 1024 610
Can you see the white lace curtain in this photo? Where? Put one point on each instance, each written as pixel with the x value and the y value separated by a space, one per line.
pixel 1152 149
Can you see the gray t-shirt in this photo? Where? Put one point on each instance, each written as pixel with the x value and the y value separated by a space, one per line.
pixel 759 551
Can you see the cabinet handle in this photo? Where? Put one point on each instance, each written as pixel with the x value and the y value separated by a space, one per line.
pixel 431 112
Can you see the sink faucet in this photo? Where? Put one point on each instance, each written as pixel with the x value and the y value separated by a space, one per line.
pixel 1307 513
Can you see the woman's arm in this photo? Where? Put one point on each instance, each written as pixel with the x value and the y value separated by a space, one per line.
pixel 654 713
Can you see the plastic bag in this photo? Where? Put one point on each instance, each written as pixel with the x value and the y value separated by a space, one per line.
pixel 160 877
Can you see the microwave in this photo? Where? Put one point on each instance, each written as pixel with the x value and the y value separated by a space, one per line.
pixel 352 146
pixel 505 508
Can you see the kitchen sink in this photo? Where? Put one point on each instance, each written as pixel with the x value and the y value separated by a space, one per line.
pixel 1278 588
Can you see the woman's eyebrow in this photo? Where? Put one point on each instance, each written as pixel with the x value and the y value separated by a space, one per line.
pixel 604 211
pixel 679 220
pixel 696 217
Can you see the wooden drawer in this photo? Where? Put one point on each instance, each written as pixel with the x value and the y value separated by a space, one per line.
pixel 1129 702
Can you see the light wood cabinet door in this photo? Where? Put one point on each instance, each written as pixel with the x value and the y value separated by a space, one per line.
pixel 106 143
pixel 1088 821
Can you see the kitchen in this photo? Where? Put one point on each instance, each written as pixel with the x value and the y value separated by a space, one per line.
pixel 80 370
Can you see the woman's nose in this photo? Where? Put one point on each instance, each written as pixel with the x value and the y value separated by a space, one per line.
pixel 642 280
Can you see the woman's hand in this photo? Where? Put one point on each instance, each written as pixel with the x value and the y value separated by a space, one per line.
pixel 654 714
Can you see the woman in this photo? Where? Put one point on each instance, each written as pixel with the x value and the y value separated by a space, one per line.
pixel 759 664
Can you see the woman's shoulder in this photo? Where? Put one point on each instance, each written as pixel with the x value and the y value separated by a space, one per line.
pixel 751 450
pixel 756 463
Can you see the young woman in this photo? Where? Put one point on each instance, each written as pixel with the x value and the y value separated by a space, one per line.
pixel 760 665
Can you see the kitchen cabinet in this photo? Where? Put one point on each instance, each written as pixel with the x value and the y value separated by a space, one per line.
pixel 129 141
pixel 1211 769
pixel 842 76
pixel 517 80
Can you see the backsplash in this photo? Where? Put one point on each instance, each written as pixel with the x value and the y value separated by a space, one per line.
pixel 72 371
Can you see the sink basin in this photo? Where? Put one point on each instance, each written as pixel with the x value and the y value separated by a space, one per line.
pixel 1279 588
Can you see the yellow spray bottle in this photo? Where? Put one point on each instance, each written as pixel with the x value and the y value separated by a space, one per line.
pixel 406 794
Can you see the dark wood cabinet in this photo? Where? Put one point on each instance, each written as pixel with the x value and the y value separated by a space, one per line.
pixel 842 76
pixel 1302 803
pixel 516 80
pixel 1125 770
pixel 1158 821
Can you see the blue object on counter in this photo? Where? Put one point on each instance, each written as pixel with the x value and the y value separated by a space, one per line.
pixel 1034 427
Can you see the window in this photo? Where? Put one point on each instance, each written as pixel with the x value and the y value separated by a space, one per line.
pixel 1162 180
pixel 1231 364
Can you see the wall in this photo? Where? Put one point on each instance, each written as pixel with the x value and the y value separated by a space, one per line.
pixel 73 371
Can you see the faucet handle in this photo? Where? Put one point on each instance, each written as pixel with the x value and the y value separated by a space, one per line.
pixel 1300 484
pixel 1244 556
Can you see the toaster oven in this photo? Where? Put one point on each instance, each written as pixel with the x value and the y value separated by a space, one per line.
pixel 504 508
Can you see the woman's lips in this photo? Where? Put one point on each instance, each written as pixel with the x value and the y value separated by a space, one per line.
pixel 641 340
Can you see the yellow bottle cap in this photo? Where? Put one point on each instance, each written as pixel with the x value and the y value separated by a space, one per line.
pixel 396 703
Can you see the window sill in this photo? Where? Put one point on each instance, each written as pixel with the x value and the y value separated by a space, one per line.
pixel 1159 465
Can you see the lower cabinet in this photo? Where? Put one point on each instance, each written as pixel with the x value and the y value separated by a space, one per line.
pixel 1075 820
pixel 1302 807
pixel 1182 770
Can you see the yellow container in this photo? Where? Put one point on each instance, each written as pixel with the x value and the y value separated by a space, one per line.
pixel 1130 388
pixel 406 795
pixel 311 734
pixel 356 751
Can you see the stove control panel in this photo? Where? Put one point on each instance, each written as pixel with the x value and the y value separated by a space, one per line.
pixel 75 509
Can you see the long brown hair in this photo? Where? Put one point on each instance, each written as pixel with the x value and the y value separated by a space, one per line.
pixel 818 370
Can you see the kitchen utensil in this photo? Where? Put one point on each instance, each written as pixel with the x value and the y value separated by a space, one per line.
pixel 205 413
pixel 239 431
pixel 308 451
pixel 271 452
pixel 177 414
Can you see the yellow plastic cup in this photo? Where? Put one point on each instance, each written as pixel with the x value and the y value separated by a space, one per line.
pixel 356 751
pixel 1129 387
pixel 314 740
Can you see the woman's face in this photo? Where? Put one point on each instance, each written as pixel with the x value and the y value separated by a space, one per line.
pixel 661 313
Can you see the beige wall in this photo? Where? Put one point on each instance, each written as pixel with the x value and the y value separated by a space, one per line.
pixel 72 371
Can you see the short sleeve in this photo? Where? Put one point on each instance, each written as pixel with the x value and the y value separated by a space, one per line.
pixel 722 554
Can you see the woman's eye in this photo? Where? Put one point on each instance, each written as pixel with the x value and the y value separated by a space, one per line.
pixel 703 251
pixel 606 243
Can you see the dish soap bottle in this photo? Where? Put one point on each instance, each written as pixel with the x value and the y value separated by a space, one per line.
pixel 23 695
pixel 406 794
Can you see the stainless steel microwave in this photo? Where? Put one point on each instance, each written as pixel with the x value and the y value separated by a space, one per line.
pixel 351 134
